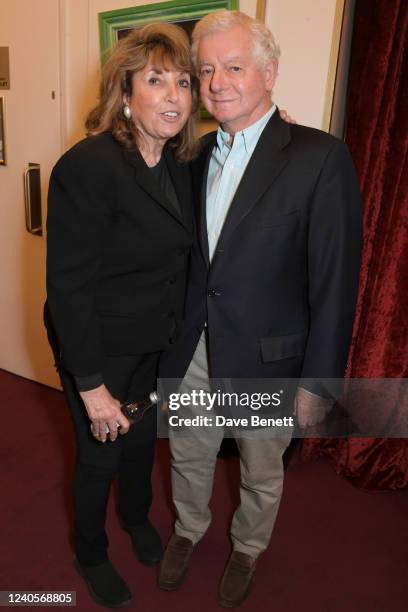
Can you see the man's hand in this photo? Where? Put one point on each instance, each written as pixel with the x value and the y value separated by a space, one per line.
pixel 284 115
pixel 310 408
pixel 104 412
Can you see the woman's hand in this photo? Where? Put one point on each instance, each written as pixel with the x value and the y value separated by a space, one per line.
pixel 284 115
pixel 104 412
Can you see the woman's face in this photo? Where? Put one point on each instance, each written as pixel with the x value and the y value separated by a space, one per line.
pixel 160 102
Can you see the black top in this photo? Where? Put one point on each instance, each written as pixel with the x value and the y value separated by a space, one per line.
pixel 162 176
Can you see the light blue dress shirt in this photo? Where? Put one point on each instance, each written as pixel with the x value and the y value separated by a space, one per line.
pixel 227 166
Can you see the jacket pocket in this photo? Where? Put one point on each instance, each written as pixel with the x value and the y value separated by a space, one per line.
pixel 278 220
pixel 117 315
pixel 283 347
pixel 131 335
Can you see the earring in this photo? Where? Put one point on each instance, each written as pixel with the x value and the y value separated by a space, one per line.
pixel 127 112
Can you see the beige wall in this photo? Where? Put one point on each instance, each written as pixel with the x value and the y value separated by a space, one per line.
pixel 32 122
pixel 80 60
pixel 304 33
pixel 303 30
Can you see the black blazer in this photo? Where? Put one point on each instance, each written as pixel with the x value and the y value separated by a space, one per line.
pixel 280 293
pixel 117 254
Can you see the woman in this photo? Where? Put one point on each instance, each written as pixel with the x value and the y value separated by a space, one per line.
pixel 120 228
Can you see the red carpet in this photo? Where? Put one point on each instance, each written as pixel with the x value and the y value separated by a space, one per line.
pixel 334 548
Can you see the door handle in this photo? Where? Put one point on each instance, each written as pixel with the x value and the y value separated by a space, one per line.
pixel 32 199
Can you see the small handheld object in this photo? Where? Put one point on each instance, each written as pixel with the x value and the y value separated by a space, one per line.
pixel 135 411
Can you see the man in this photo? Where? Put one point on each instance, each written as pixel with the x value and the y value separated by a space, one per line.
pixel 272 287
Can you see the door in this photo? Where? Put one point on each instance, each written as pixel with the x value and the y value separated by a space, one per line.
pixel 31 30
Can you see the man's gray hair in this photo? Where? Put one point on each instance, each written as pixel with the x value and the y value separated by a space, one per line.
pixel 265 47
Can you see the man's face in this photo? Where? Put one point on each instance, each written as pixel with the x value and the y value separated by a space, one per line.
pixel 234 89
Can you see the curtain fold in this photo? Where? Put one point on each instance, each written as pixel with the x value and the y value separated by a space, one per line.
pixel 377 135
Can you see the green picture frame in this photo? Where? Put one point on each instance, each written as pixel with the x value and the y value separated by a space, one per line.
pixel 111 23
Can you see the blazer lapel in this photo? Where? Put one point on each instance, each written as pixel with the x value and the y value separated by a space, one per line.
pixel 201 167
pixel 181 177
pixel 265 165
pixel 147 182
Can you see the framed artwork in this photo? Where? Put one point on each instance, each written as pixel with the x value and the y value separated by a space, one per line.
pixel 3 160
pixel 260 10
pixel 114 25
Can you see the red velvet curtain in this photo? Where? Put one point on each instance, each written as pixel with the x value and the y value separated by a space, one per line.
pixel 377 135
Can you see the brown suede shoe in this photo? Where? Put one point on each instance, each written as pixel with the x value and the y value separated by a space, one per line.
pixel 174 565
pixel 237 580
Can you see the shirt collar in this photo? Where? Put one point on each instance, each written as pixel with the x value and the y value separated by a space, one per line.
pixel 248 137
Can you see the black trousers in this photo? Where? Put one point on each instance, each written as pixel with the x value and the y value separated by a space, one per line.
pixel 130 457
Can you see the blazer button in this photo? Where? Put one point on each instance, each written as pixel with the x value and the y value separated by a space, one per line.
pixel 213 293
pixel 171 280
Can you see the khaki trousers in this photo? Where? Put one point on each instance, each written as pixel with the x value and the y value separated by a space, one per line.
pixel 193 460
